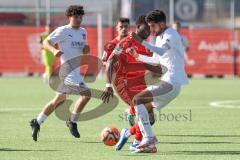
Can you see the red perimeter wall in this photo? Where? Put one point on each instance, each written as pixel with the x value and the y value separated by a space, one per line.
pixel 210 51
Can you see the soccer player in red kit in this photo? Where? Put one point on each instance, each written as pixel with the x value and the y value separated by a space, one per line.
pixel 122 29
pixel 129 75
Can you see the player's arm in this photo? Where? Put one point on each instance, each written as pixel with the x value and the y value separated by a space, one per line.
pixel 156 70
pixel 108 92
pixel 52 48
pixel 54 38
pixel 145 59
pixel 86 49
pixel 151 63
pixel 108 49
pixel 185 43
pixel 159 50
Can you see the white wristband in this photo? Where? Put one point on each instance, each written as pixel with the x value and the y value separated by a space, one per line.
pixel 117 50
pixel 108 85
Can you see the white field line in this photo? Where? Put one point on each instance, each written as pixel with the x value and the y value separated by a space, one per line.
pixel 225 104
pixel 19 109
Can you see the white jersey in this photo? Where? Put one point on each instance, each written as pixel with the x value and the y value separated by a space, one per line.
pixel 172 58
pixel 71 42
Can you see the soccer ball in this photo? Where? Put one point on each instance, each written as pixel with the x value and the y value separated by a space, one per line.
pixel 110 136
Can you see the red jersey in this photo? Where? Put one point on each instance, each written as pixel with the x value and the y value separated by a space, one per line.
pixel 130 79
pixel 108 48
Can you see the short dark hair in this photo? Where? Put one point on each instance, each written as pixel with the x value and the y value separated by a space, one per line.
pixel 141 20
pixel 124 20
pixel 156 16
pixel 177 23
pixel 74 10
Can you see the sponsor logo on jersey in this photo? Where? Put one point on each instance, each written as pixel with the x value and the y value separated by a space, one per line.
pixel 77 44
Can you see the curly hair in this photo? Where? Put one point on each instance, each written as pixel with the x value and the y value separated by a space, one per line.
pixel 124 20
pixel 74 10
pixel 156 16
pixel 141 20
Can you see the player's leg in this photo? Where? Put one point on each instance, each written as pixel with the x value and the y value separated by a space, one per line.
pixel 138 134
pixel 133 130
pixel 163 93
pixel 78 107
pixel 142 98
pixel 126 133
pixel 137 139
pixel 131 115
pixel 146 97
pixel 46 111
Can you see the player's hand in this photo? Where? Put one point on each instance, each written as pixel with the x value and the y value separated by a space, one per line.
pixel 109 47
pixel 108 92
pixel 132 52
pixel 58 53
pixel 134 36
pixel 86 49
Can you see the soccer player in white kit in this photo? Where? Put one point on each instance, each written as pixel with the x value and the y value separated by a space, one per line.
pixel 72 42
pixel 168 52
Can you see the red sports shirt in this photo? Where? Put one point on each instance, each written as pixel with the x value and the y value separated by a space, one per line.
pixel 129 79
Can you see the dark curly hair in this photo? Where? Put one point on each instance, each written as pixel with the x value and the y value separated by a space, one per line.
pixel 141 20
pixel 156 16
pixel 74 10
pixel 124 20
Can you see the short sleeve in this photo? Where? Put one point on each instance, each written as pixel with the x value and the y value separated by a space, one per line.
pixel 168 41
pixel 56 36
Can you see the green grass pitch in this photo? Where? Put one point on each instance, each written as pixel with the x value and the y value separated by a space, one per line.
pixel 206 132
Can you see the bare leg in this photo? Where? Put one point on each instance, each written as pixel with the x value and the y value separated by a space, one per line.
pixel 145 97
pixel 81 102
pixel 53 104
pixel 79 105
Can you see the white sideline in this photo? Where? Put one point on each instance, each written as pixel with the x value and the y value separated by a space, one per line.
pixel 225 104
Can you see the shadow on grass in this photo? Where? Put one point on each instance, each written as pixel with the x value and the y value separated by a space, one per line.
pixel 202 153
pixel 179 135
pixel 159 153
pixel 93 142
pixel 136 155
pixel 196 142
pixel 26 150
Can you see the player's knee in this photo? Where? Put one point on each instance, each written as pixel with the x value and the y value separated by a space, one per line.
pixel 87 96
pixel 59 100
pixel 137 100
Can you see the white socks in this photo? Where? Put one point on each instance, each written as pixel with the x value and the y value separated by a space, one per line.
pixel 136 141
pixel 143 121
pixel 74 117
pixel 127 133
pixel 41 118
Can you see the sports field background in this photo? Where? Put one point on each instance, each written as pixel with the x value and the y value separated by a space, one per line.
pixel 212 133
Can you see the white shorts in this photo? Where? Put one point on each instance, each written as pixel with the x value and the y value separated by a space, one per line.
pixel 71 89
pixel 163 94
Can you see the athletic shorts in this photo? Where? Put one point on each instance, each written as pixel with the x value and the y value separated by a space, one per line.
pixel 72 89
pixel 163 93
